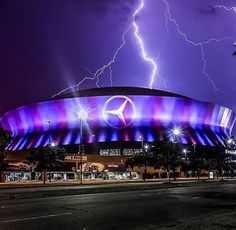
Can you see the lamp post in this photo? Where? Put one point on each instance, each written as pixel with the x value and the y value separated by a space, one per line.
pixel 229 144
pixel 141 138
pixel 53 144
pixel 50 144
pixel 195 155
pixel 185 153
pixel 83 115
pixel 176 132
pixel 146 147
pixel 48 122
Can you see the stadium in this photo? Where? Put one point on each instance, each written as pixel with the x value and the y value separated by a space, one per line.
pixel 115 122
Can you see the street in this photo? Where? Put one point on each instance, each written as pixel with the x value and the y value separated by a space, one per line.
pixel 172 208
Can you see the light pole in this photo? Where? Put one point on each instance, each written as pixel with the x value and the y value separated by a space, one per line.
pixel 195 155
pixel 141 138
pixel 176 132
pixel 53 144
pixel 50 144
pixel 185 153
pixel 83 115
pixel 50 140
pixel 48 122
pixel 229 144
pixel 146 147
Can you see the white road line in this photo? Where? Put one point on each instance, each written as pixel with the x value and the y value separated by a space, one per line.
pixel 36 217
pixel 196 197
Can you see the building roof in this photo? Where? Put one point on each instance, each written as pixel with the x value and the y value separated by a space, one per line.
pixel 118 91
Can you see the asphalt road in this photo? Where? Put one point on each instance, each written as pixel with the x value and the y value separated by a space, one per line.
pixel 203 207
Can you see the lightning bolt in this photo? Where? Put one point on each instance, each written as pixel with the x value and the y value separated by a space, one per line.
pixel 101 70
pixel 108 65
pixel 226 8
pixel 140 41
pixel 170 18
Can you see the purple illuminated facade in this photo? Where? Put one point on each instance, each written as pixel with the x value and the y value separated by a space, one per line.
pixel 118 114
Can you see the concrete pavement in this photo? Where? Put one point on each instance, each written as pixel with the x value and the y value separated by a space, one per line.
pixel 25 184
pixel 203 207
pixel 15 193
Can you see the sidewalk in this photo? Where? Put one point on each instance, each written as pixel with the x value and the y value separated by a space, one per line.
pixel 29 184
pixel 11 193
pixel 22 190
pixel 33 184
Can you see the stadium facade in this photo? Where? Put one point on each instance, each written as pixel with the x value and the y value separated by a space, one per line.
pixel 117 116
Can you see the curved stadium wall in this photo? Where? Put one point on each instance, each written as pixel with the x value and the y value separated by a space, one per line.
pixel 118 114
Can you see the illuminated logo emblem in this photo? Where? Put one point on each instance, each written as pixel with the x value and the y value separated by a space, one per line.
pixel 119 111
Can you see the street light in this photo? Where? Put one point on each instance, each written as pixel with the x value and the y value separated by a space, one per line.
pixel 50 140
pixel 229 144
pixel 82 115
pixel 53 144
pixel 141 138
pixel 146 147
pixel 185 152
pixel 230 141
pixel 176 132
pixel 48 122
pixel 197 157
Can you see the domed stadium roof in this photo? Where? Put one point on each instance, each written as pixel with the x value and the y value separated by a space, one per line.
pixel 118 91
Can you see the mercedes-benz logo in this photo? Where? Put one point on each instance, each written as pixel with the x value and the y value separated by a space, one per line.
pixel 119 111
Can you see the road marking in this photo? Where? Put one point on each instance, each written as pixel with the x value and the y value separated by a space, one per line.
pixel 36 217
pixel 196 197
pixel 143 194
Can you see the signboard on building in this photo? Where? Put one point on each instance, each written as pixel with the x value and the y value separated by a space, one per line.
pixel 75 158
pixel 230 151
pixel 119 152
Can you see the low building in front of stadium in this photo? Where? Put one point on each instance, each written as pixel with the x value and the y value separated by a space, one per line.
pixel 119 121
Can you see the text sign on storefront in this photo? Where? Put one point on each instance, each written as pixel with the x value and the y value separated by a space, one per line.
pixel 230 151
pixel 112 166
pixel 75 157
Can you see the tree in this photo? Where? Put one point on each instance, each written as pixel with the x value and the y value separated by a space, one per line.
pixel 47 158
pixel 165 154
pixel 198 160
pixel 168 156
pixel 5 140
pixel 143 159
pixel 220 159
pixel 209 158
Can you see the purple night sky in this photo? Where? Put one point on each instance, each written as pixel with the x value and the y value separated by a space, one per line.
pixel 50 45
